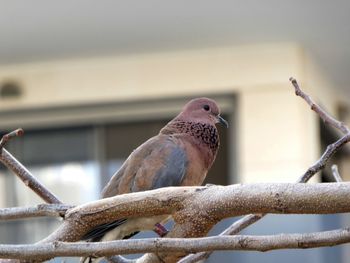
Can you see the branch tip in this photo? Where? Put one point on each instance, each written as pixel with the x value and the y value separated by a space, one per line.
pixel 16 133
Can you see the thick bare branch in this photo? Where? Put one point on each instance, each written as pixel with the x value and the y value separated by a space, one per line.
pixel 208 204
pixel 157 245
pixel 81 219
pixel 311 171
pixel 251 219
pixel 48 210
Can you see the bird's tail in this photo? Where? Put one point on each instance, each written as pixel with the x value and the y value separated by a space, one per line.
pixel 97 234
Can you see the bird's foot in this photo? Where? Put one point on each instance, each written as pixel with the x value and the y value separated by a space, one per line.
pixel 160 230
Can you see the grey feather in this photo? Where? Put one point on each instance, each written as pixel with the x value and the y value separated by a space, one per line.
pixel 174 170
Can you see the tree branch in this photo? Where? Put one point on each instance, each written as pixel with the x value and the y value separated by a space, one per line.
pixel 321 112
pixel 251 219
pixel 311 171
pixel 29 180
pixel 189 245
pixel 193 212
pixel 49 210
pixel 208 204
pixel 321 163
pixel 9 136
pixel 233 229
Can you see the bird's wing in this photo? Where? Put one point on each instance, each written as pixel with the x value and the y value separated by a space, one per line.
pixel 159 162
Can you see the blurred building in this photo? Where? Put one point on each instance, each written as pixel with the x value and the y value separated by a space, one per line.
pixel 83 116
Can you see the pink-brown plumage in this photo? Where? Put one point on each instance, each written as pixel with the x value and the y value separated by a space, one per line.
pixel 180 155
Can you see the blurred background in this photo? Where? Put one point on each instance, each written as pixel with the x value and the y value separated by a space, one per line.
pixel 90 81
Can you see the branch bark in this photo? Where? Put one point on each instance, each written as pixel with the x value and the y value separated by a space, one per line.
pixel 208 204
pixel 28 179
pixel 48 210
pixel 173 245
pixel 196 209
pixel 321 112
pixel 248 220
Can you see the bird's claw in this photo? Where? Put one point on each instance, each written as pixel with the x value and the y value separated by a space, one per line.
pixel 160 230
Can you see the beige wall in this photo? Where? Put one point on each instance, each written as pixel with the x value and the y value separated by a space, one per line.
pixel 277 133
pixel 152 75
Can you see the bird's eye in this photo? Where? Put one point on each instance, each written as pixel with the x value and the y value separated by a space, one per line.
pixel 206 107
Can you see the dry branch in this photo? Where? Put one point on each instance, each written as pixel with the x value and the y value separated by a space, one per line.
pixel 48 210
pixel 321 163
pixel 321 112
pixel 208 204
pixel 9 136
pixel 248 220
pixel 29 180
pixel 194 213
pixel 189 245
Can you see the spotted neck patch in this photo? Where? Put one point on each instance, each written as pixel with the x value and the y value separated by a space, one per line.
pixel 205 133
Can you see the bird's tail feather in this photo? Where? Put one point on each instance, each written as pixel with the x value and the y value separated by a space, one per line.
pixel 97 234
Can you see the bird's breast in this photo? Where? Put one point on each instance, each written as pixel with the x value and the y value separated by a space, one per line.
pixel 201 142
pixel 203 134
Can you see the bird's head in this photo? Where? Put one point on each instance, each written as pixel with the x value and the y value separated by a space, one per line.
pixel 202 110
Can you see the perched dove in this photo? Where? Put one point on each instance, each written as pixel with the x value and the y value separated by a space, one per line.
pixel 180 155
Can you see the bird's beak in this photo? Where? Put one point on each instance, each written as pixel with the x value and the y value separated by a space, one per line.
pixel 222 121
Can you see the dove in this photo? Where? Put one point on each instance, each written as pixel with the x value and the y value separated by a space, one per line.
pixel 180 155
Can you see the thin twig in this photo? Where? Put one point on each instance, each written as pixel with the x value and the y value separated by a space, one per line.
pixel 321 112
pixel 237 226
pixel 9 136
pixel 29 180
pixel 48 210
pixel 188 245
pixel 336 174
pixel 321 163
